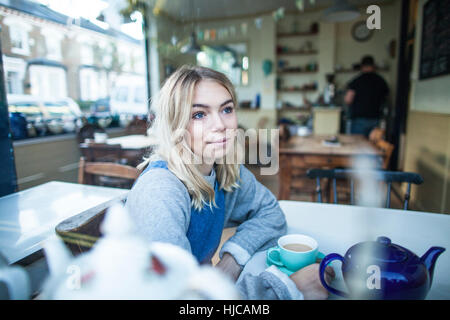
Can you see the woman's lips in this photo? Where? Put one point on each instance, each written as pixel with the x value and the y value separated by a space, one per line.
pixel 219 142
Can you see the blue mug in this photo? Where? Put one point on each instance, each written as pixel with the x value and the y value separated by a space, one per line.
pixel 294 252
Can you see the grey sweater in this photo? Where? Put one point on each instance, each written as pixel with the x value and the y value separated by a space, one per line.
pixel 160 206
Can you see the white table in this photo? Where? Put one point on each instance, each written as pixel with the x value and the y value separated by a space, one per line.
pixel 338 227
pixel 29 217
pixel 134 141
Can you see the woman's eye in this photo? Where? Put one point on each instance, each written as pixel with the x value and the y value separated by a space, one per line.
pixel 198 115
pixel 228 109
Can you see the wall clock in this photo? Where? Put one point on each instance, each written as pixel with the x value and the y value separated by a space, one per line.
pixel 360 32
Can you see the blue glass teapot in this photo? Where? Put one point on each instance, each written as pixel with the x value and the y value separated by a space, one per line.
pixel 383 270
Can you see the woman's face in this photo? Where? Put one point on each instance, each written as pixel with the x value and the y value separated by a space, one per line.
pixel 213 122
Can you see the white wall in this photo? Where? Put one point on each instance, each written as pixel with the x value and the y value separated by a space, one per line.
pixel 427 149
pixel 429 95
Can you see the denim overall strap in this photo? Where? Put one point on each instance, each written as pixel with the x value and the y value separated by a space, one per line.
pixel 206 225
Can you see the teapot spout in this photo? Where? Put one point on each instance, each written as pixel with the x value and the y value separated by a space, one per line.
pixel 429 259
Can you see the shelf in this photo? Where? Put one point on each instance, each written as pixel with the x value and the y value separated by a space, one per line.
pixel 297 34
pixel 297 109
pixel 296 90
pixel 297 53
pixel 297 72
pixel 352 70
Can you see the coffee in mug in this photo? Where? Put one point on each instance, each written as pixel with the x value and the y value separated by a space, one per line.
pixel 294 251
pixel 297 247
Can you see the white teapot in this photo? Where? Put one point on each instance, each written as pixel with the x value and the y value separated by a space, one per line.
pixel 121 265
pixel 16 280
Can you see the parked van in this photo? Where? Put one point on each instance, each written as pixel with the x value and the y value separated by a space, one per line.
pixel 43 116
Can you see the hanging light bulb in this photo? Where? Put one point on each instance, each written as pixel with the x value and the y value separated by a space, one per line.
pixel 192 47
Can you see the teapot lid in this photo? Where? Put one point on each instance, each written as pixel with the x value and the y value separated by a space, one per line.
pixel 383 250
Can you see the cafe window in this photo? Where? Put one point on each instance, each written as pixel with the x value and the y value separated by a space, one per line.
pixel 13 83
pixel 48 81
pixel 53 43
pixel 18 34
pixel 14 70
pixel 230 59
pixel 93 84
pixel 53 48
pixel 139 95
pixel 85 84
pixel 121 94
pixel 107 57
pixel 87 54
pixel 125 58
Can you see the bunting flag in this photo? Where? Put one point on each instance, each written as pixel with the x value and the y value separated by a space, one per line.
pixel 200 35
pixel 225 32
pixel 258 23
pixel 230 31
pixel 244 28
pixel 233 31
pixel 278 14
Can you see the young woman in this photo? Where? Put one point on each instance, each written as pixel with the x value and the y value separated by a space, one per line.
pixel 191 188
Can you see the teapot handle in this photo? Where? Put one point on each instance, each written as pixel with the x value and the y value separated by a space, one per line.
pixel 323 264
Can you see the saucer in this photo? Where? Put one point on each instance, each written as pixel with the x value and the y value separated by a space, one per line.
pixel 285 270
pixel 282 269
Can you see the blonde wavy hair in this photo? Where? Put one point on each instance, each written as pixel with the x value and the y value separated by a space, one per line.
pixel 172 109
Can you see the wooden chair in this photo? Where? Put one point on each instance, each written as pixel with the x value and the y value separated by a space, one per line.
pixel 376 135
pixel 102 152
pixel 137 126
pixel 87 132
pixel 387 149
pixel 88 171
pixel 387 177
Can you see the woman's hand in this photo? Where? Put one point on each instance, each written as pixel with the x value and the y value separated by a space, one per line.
pixel 308 282
pixel 229 266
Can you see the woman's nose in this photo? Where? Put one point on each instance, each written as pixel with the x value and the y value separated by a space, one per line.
pixel 218 123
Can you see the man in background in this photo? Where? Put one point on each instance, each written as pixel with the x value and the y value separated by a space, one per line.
pixel 365 97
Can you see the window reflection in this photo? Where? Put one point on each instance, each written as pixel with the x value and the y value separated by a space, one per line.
pixel 230 59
